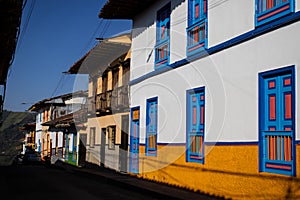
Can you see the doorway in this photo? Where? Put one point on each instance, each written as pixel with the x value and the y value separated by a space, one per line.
pixel 123 150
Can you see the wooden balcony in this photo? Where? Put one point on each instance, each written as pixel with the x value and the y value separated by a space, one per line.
pixel 112 101
pixel 196 40
pixel 103 102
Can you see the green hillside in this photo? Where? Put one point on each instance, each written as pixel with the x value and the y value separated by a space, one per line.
pixel 10 135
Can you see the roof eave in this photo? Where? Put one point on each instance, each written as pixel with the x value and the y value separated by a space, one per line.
pixel 102 54
pixel 123 9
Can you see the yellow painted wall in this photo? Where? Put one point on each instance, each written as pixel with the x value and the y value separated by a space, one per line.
pixel 128 55
pixel 229 171
pixel 93 122
pixel 91 90
pixel 99 85
pixel 44 151
pixel 105 121
pixel 109 80
pixel 99 123
pixel 120 81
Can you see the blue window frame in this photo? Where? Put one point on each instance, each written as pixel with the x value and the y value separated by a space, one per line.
pixel 151 130
pixel 277 121
pixel 197 26
pixel 134 139
pixel 195 125
pixel 162 48
pixel 268 10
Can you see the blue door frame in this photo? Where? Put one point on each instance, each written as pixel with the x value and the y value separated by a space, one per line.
pixel 151 130
pixel 134 140
pixel 195 124
pixel 277 121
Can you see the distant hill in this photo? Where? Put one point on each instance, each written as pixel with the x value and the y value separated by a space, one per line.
pixel 10 135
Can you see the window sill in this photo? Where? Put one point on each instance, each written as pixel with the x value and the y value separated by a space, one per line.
pixel 274 13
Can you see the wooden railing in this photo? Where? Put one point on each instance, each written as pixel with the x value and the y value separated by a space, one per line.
pixel 91 105
pixel 196 36
pixel 278 145
pixel 103 102
pixel 112 101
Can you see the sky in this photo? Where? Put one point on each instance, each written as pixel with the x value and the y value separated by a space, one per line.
pixel 54 34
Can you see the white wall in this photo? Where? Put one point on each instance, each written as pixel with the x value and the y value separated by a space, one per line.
pixel 144 36
pixel 38 136
pixel 60 139
pixel 230 78
pixel 142 47
pixel 70 137
pixel 228 19
pixel 38 125
pixel 178 36
pixel 297 6
pixel 38 129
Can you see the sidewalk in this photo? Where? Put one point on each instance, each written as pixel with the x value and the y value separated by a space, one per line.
pixel 133 183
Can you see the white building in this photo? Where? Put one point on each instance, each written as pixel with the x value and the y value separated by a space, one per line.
pixel 107 65
pixel 57 134
pixel 214 101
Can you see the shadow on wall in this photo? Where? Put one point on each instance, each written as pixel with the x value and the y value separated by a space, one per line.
pixel 289 186
pixel 141 24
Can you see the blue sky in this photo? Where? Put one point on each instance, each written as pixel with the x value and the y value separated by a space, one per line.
pixel 57 34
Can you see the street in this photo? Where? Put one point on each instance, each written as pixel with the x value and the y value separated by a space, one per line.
pixel 41 182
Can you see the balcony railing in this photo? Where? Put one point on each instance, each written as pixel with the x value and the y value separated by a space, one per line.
pixel 162 54
pixel 196 37
pixel 103 102
pixel 267 11
pixel 91 105
pixel 278 145
pixel 266 6
pixel 278 151
pixel 112 101
pixel 122 100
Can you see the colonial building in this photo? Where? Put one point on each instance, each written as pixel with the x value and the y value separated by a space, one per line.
pixel 107 65
pixel 58 121
pixel 29 141
pixel 214 94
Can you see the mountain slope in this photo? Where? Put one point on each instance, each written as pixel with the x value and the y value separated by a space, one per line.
pixel 10 135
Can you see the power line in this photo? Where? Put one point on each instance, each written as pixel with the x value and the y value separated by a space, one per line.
pixel 92 38
pixel 20 34
pixel 60 82
pixel 26 22
pixel 216 3
pixel 104 30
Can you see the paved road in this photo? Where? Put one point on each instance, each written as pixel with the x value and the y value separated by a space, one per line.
pixel 22 182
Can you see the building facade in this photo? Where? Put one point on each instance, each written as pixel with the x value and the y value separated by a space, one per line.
pixel 213 94
pixel 59 122
pixel 107 65
pixel 29 140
